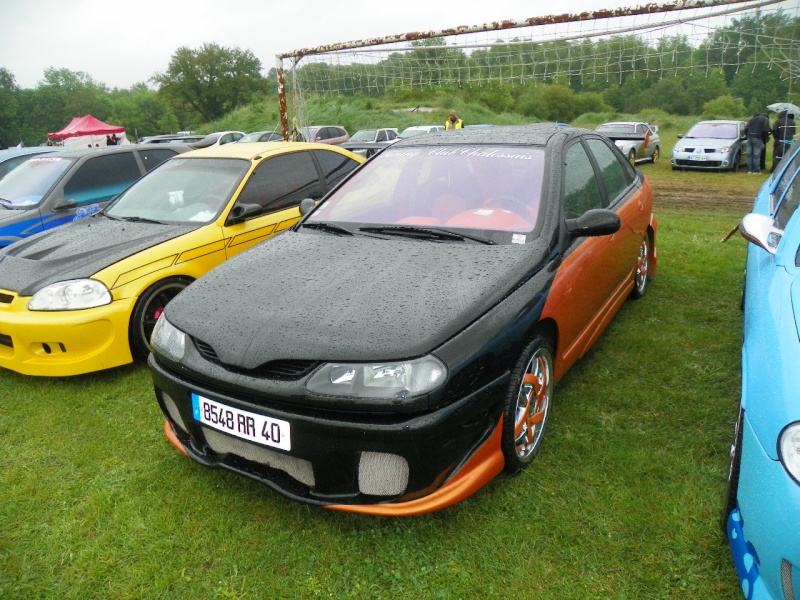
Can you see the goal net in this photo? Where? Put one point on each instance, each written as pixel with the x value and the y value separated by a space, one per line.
pixel 718 39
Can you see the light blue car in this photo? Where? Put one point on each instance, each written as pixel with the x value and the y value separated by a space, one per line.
pixel 762 507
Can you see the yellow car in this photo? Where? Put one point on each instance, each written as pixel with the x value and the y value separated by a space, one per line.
pixel 86 296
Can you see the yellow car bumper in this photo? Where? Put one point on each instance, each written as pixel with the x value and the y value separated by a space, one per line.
pixel 59 343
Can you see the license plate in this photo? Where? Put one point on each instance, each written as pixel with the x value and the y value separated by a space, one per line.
pixel 243 424
pixel 700 158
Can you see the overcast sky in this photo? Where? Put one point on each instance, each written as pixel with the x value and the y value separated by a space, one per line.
pixel 123 43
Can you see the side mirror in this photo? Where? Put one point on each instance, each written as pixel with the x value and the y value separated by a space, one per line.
pixel 761 231
pixel 65 205
pixel 240 212
pixel 594 222
pixel 680 135
pixel 307 205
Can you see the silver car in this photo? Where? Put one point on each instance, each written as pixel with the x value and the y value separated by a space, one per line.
pixel 711 145
pixel 638 141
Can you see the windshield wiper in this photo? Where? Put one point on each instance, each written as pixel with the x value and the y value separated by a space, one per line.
pixel 329 227
pixel 135 219
pixel 427 233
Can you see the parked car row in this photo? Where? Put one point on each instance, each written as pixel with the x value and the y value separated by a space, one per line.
pixel 719 145
pixel 378 402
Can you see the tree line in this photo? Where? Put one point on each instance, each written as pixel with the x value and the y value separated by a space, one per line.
pixel 743 67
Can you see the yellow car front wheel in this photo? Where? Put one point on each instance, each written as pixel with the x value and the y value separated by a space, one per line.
pixel 147 311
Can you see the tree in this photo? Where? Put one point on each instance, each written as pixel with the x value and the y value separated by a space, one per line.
pixel 211 81
pixel 9 106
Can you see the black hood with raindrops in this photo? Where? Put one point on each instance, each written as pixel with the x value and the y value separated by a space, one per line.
pixel 316 296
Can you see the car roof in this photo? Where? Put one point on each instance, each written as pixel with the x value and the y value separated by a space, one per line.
pixel 253 150
pixel 528 135
pixel 8 153
pixel 79 152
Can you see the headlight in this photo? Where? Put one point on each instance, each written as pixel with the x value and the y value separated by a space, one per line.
pixel 789 449
pixel 391 380
pixel 74 294
pixel 168 340
pixel 678 148
pixel 725 150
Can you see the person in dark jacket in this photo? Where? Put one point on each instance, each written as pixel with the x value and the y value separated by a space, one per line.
pixel 767 133
pixel 754 130
pixel 783 132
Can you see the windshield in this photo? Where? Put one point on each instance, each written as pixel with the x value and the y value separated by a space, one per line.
pixel 411 132
pixel 256 136
pixel 494 188
pixel 720 131
pixel 364 135
pixel 25 186
pixel 182 190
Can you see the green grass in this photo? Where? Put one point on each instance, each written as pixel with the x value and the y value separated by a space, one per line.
pixel 622 502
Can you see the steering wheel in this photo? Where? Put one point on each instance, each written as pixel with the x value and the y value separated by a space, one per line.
pixel 509 203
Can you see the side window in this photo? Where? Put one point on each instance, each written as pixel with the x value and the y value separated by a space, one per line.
pixel 381 136
pixel 153 158
pixel 282 182
pixel 101 178
pixel 323 134
pixel 616 176
pixel 581 191
pixel 786 191
pixel 334 166
pixel 391 134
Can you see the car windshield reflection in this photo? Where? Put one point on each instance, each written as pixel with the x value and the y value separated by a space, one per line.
pixel 720 131
pixel 182 190
pixel 483 188
pixel 25 186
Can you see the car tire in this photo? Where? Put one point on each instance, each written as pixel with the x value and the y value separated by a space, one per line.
pixel 732 487
pixel 527 406
pixel 148 308
pixel 735 165
pixel 632 158
pixel 641 272
pixel 656 156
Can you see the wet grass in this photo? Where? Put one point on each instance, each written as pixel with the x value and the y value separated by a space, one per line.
pixel 622 502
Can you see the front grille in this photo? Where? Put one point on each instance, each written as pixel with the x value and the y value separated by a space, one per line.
pixel 286 370
pixel 297 468
pixel 787 582
pixel 697 163
pixel 6 298
pixel 5 340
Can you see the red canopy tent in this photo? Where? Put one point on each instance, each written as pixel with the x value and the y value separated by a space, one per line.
pixel 87 130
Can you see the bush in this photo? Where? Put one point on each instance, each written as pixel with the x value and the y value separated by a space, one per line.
pixel 724 107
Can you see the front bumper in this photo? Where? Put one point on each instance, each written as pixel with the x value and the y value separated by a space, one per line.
pixel 763 530
pixel 62 343
pixel 703 161
pixel 398 465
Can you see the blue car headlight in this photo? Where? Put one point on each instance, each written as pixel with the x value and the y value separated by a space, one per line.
pixel 390 380
pixel 789 449
pixel 74 294
pixel 168 340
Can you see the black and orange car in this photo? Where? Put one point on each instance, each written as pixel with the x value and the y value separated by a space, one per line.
pixel 398 347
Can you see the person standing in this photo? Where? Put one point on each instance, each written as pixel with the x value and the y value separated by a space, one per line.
pixel 767 133
pixel 453 122
pixel 783 132
pixel 754 130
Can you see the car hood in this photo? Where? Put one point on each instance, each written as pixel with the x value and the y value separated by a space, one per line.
pixel 322 297
pixel 76 250
pixel 706 142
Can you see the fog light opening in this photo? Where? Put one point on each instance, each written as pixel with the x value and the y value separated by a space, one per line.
pixel 382 474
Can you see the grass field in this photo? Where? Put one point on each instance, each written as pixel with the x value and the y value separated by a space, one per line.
pixel 622 502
